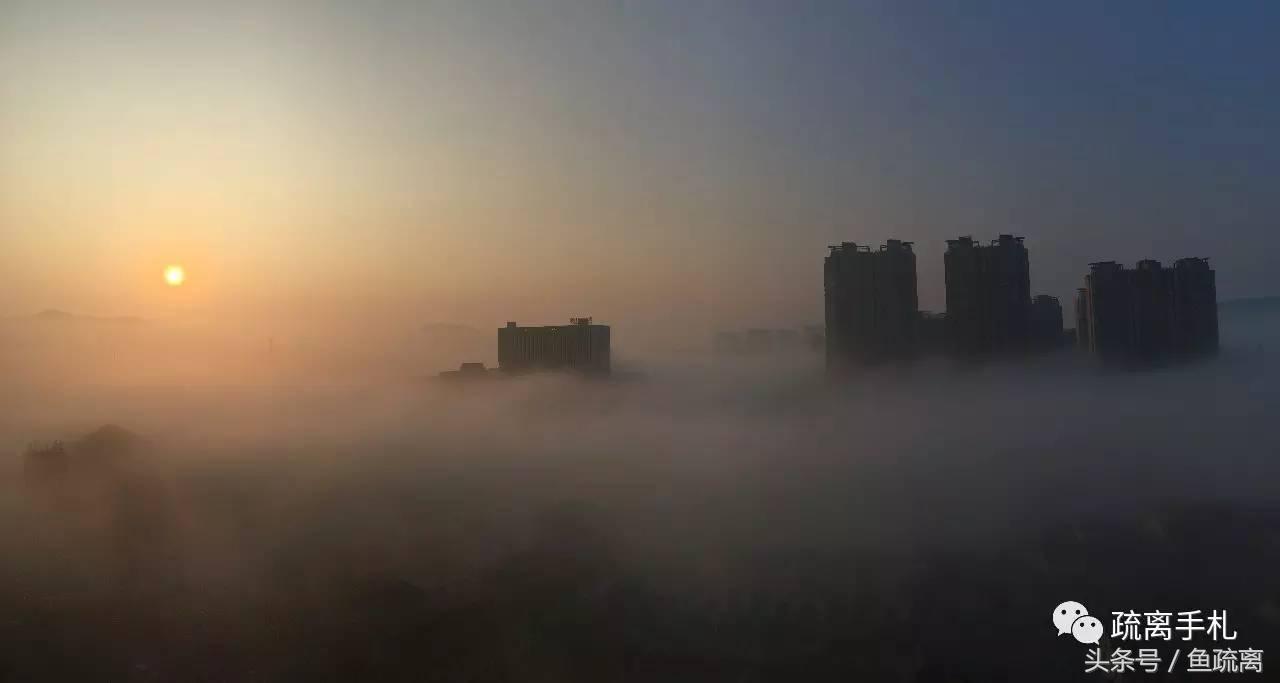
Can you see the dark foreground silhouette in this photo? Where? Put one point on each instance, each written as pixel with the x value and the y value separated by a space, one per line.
pixel 104 589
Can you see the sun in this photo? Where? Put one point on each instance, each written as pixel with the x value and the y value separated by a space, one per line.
pixel 175 276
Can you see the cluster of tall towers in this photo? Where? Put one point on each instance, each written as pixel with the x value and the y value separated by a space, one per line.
pixel 1150 312
pixel 873 314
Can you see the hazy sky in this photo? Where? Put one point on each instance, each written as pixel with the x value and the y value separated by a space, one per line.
pixel 659 165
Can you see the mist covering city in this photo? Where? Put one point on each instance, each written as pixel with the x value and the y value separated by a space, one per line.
pixel 575 340
pixel 718 515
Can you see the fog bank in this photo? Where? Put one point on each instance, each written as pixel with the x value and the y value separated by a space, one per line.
pixel 729 519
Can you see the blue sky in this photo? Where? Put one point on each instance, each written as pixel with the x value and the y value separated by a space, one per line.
pixel 660 162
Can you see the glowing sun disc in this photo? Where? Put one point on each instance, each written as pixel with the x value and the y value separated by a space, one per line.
pixel 175 276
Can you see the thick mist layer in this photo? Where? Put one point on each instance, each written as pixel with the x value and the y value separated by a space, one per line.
pixel 726 519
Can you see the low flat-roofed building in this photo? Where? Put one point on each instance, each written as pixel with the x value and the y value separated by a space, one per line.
pixel 580 346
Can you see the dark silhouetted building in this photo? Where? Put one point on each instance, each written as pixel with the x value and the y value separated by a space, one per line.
pixel 871 305
pixel 1151 309
pixel 1046 322
pixel 1082 318
pixel 988 295
pixel 1148 312
pixel 1195 306
pixel 931 333
pixel 467 371
pixel 579 346
pixel 1108 306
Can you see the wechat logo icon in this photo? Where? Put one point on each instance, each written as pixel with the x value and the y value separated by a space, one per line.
pixel 1072 617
